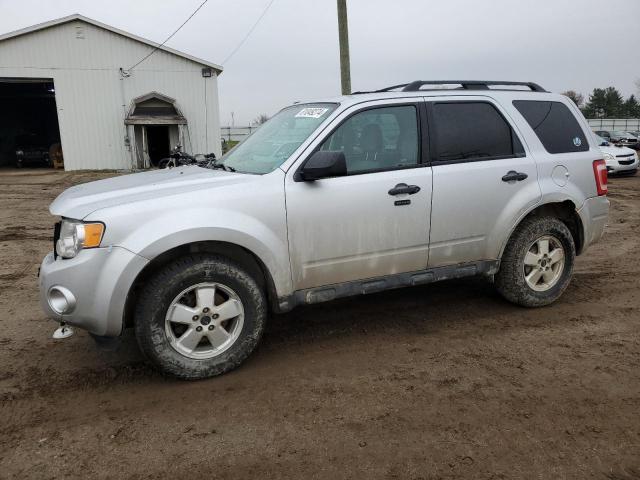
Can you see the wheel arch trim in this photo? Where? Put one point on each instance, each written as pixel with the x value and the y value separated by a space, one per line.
pixel 551 201
pixel 242 255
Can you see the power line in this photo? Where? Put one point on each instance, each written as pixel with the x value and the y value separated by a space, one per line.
pixel 169 37
pixel 264 12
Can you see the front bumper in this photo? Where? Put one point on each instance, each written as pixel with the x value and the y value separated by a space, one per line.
pixel 614 166
pixel 99 280
pixel 594 214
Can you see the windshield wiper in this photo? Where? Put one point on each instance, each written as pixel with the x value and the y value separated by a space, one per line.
pixel 221 166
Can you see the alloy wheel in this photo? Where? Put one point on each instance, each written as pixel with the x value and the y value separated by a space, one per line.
pixel 204 320
pixel 544 263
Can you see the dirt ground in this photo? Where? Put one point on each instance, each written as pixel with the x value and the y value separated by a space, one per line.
pixel 441 381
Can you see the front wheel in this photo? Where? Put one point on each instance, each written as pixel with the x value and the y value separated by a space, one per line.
pixel 537 264
pixel 200 316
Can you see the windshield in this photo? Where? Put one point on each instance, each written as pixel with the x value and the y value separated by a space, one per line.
pixel 619 133
pixel 601 141
pixel 269 146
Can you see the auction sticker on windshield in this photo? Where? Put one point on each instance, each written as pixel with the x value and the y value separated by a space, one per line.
pixel 310 112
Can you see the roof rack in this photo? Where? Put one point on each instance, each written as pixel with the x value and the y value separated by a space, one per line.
pixel 464 85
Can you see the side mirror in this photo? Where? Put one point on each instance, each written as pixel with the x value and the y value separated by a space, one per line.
pixel 323 165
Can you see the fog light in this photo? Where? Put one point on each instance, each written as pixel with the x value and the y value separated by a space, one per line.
pixel 61 300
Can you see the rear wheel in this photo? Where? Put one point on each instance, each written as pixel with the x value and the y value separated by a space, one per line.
pixel 537 264
pixel 200 316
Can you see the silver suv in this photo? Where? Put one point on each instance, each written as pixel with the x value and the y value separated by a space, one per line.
pixel 404 186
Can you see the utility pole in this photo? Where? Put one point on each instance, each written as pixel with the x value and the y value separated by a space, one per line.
pixel 343 35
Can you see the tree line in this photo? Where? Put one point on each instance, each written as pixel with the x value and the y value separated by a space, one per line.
pixel 606 103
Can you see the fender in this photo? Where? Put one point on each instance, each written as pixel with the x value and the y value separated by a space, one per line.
pixel 546 199
pixel 251 215
pixel 173 229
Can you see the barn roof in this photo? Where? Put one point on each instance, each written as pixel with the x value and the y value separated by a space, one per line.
pixel 82 18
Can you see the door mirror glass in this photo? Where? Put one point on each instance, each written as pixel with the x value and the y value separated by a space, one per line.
pixel 324 165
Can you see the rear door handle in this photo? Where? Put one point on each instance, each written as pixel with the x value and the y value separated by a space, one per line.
pixel 401 188
pixel 513 176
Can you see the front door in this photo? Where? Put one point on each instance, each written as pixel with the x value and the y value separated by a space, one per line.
pixel 483 180
pixel 360 225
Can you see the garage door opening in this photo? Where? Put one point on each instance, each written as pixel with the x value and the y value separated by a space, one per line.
pixel 29 130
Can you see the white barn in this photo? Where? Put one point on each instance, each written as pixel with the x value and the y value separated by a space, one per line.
pixel 107 115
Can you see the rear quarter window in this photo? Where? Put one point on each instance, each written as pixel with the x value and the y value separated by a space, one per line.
pixel 554 124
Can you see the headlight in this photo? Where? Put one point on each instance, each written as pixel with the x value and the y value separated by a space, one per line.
pixel 76 235
pixel 608 156
pixel 19 153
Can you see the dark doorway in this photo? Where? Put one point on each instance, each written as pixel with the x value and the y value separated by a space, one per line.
pixel 157 143
pixel 28 122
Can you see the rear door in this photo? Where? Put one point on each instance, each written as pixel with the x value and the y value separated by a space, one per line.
pixel 483 180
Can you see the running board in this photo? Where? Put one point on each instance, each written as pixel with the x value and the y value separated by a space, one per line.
pixel 378 284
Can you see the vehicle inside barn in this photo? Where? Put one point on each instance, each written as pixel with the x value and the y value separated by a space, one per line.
pixel 29 131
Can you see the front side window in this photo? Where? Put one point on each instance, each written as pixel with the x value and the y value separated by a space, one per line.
pixel 554 124
pixel 377 139
pixel 274 142
pixel 466 131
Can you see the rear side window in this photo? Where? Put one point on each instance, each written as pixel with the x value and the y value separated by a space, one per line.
pixel 554 124
pixel 466 131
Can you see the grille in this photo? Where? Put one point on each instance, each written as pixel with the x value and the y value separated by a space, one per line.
pixel 56 236
pixel 625 156
pixel 625 162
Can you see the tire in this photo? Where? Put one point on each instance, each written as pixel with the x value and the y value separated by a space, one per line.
pixel 162 164
pixel 516 263
pixel 161 340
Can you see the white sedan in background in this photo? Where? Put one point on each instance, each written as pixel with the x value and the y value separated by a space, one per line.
pixel 619 159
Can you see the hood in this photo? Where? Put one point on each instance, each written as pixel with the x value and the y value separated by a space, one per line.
pixel 79 201
pixel 616 150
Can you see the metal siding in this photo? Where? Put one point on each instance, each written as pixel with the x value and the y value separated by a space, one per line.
pixel 89 90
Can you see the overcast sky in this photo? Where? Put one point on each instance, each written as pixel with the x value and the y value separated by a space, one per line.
pixel 293 52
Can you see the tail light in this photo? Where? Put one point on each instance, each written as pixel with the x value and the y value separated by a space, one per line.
pixel 600 173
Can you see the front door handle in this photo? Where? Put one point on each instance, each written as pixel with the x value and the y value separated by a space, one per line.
pixel 513 176
pixel 401 188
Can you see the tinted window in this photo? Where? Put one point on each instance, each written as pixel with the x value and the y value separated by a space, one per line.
pixel 554 124
pixel 380 138
pixel 472 131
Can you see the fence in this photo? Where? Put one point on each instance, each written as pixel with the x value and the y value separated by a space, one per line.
pixel 236 134
pixel 624 124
